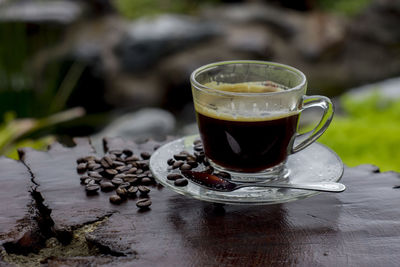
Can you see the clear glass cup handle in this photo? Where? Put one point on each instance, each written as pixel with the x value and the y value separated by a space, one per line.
pixel 308 138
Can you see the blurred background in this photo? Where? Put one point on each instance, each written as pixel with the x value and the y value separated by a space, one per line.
pixel 121 67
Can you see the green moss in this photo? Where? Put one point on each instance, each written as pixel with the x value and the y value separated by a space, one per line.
pixel 346 7
pixel 368 134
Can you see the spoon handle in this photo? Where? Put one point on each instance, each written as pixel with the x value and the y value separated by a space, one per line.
pixel 320 186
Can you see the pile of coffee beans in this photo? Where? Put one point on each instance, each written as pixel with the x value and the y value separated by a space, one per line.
pixel 184 161
pixel 120 171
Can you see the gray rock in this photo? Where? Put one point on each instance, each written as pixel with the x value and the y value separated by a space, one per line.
pixel 147 40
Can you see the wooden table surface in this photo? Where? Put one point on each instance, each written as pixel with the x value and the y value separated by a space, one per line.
pixel 359 227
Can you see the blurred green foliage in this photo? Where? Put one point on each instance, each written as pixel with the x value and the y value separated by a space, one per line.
pixel 137 8
pixel 368 134
pixel 345 7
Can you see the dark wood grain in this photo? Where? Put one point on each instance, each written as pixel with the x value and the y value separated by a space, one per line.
pixel 359 227
pixel 18 228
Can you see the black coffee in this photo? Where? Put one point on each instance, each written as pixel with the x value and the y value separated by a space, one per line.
pixel 246 146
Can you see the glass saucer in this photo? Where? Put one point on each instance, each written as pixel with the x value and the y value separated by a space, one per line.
pixel 316 163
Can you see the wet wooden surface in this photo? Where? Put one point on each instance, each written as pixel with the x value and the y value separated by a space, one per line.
pixel 359 227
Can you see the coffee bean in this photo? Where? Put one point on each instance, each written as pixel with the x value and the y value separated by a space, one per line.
pixel 115 199
pixel 180 156
pixel 124 185
pixel 192 163
pixel 132 158
pixel 198 148
pixel 199 156
pixel 112 158
pixel 127 152
pixel 89 181
pixel 117 163
pixel 143 190
pixel 107 186
pixel 174 176
pixel 93 166
pixel 117 181
pixel 130 176
pixel 181 182
pixel 143 203
pixel 120 175
pixel 81 160
pixel 177 164
pixel 81 167
pixel 105 163
pixel 92 188
pixel 142 175
pixel 111 172
pixel 139 171
pixel 131 180
pixel 132 191
pixel 145 155
pixel 99 170
pixel 143 164
pixel 146 181
pixel 197 142
pixel 94 174
pixel 185 167
pixel 121 192
pixel 131 170
pixel 170 162
pixel 116 152
pixel 223 175
pixel 83 178
pixel 97 180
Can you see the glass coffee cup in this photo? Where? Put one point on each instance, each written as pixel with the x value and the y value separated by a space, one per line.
pixel 247 114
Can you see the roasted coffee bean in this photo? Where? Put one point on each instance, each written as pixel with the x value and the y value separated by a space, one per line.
pixel 174 176
pixel 145 155
pixel 199 156
pixel 81 160
pixel 120 159
pixel 116 152
pixel 112 157
pixel 89 181
pixel 115 199
pixel 198 148
pixel 124 185
pixel 124 169
pixel 131 180
pixel 143 203
pixel 97 180
pixel 132 191
pixel 120 175
pixel 83 178
pixel 94 174
pixel 185 167
pixel 223 175
pixel 130 176
pixel 139 171
pixel 146 181
pixel 111 172
pixel 181 182
pixel 143 190
pixel 197 142
pixel 121 192
pixel 117 163
pixel 117 181
pixel 92 188
pixel 170 162
pixel 143 164
pixel 132 158
pixel 131 170
pixel 142 175
pixel 93 166
pixel 177 164
pixel 81 167
pixel 105 163
pixel 192 163
pixel 180 156
pixel 107 186
pixel 128 152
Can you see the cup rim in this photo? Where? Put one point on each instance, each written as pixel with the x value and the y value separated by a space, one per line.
pixel 206 89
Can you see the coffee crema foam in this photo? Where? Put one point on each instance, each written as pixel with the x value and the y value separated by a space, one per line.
pixel 223 107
